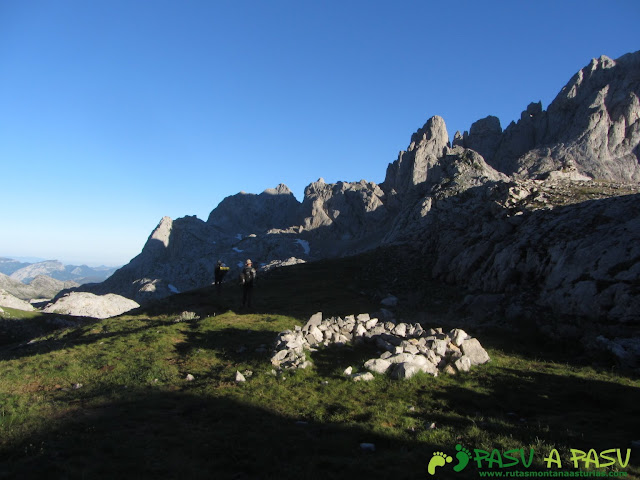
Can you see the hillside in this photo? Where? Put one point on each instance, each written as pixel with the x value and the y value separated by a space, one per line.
pixel 39 287
pixel 110 398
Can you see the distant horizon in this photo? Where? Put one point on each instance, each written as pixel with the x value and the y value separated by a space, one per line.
pixel 33 260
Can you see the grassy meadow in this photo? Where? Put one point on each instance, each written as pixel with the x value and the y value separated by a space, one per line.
pixel 111 399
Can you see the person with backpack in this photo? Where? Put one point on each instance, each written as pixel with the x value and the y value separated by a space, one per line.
pixel 247 277
pixel 220 271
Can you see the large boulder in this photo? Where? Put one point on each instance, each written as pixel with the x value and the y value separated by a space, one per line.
pixel 83 304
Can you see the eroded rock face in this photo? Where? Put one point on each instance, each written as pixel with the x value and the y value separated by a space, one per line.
pixel 248 213
pixel 412 166
pixel 592 127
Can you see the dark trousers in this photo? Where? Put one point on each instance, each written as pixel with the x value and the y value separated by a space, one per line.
pixel 247 293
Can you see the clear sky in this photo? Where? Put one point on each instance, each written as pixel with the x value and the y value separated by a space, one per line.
pixel 114 113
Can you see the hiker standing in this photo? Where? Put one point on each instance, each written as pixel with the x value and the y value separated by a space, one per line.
pixel 220 271
pixel 247 278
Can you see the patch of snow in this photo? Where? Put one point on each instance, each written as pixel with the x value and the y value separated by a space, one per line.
pixel 173 288
pixel 236 249
pixel 240 264
pixel 305 246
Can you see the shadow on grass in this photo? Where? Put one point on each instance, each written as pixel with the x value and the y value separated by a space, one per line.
pixel 75 336
pixel 185 435
pixel 332 360
pixel 563 409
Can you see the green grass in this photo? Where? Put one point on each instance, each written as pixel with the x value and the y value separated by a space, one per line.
pixel 136 415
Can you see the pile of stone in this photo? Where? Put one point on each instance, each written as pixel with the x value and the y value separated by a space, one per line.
pixel 407 348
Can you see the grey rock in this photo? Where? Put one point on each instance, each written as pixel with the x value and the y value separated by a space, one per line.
pixel 314 321
pixel 362 377
pixel 458 336
pixel 463 364
pixel 400 330
pixel 83 304
pixel 377 365
pixel 407 370
pixel 472 349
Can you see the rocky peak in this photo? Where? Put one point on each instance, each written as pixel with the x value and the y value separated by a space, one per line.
pixel 432 134
pixel 484 136
pixel 426 147
pixel 281 189
pixel 343 210
pixel 591 126
pixel 250 213
pixel 162 233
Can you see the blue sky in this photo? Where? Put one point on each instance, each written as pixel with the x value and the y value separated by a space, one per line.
pixel 116 113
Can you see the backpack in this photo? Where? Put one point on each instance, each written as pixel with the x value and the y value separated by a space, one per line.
pixel 248 275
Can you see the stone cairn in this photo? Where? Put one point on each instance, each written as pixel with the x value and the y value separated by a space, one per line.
pixel 408 348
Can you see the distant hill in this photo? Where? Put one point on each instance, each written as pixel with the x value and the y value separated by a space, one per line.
pixel 40 287
pixel 10 265
pixel 80 274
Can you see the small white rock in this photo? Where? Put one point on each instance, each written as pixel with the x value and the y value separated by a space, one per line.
pixel 240 377
pixel 190 378
pixel 365 377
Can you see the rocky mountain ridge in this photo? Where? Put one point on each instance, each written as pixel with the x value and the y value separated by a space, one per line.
pixel 545 209
pixel 25 272
pixel 591 128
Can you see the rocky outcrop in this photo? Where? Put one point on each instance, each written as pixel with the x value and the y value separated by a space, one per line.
pixel 40 287
pixel 413 165
pixel 83 304
pixel 343 217
pixel 47 287
pixel 591 128
pixel 407 349
pixel 9 301
pixel 247 213
pixel 484 136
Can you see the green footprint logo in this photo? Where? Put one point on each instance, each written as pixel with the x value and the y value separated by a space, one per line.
pixel 463 456
pixel 438 460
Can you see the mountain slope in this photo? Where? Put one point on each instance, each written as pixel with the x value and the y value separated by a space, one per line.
pixel 112 398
